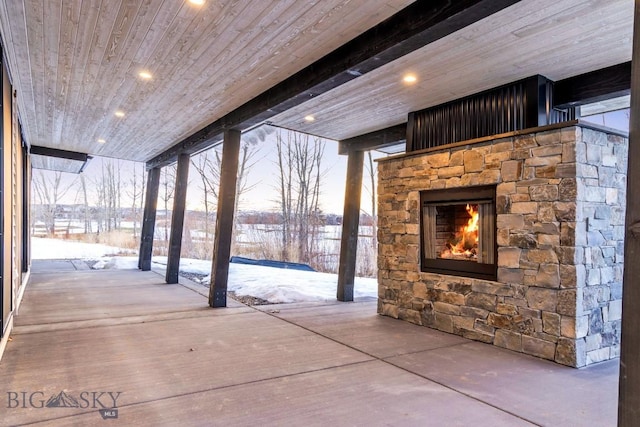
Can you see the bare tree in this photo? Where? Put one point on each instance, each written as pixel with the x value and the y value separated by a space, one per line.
pixel 208 165
pixel 118 189
pixel 367 245
pixel 209 175
pixel 285 169
pixel 136 194
pixel 248 159
pixel 300 175
pixel 372 172
pixel 167 183
pixel 109 192
pixel 86 212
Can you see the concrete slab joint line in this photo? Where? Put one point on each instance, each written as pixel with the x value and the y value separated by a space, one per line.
pixel 340 362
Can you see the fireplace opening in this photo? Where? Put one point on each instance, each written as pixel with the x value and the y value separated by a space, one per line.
pixel 458 232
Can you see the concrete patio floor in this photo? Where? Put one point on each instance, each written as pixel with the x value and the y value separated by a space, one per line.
pixel 174 360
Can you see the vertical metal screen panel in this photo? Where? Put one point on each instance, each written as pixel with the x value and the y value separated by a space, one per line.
pixel 490 113
pixel 517 106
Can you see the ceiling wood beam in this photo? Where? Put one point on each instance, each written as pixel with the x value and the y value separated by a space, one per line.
pixel 415 26
pixel 374 140
pixel 596 86
pixel 62 154
pixel 58 160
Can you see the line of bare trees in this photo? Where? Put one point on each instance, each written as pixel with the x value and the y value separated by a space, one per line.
pixel 48 190
pixel 208 166
pixel 96 201
pixel 298 185
pixel 297 235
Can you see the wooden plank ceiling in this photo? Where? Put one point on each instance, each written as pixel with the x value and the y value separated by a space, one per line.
pixel 557 39
pixel 74 63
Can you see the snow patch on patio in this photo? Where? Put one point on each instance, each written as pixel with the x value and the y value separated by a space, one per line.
pixel 275 285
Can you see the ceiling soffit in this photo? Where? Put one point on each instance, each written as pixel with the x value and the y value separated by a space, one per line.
pixel 412 28
pixel 74 64
pixel 547 37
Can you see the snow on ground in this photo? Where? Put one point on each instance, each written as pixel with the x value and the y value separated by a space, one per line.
pixel 275 285
pixel 45 248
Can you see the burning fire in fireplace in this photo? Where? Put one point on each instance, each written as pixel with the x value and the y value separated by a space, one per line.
pixel 464 244
pixel 459 231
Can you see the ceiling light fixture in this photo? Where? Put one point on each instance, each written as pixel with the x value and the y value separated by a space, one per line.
pixel 101 141
pixel 119 113
pixel 310 118
pixel 410 78
pixel 197 2
pixel 145 75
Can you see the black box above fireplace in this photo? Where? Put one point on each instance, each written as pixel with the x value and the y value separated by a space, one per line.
pixel 459 232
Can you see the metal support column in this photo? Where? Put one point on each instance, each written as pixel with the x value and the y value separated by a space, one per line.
pixel 629 384
pixel 177 218
pixel 149 219
pixel 224 219
pixel 350 225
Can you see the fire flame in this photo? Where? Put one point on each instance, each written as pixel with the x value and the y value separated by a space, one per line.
pixel 465 243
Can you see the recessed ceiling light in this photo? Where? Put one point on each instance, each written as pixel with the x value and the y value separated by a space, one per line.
pixel 145 75
pixel 197 2
pixel 410 78
pixel 101 141
pixel 119 113
pixel 310 118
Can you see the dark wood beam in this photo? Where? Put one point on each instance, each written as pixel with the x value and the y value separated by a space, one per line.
pixel 224 219
pixel 62 154
pixel 629 384
pixel 177 218
pixel 374 140
pixel 350 226
pixel 149 220
pixel 414 27
pixel 595 86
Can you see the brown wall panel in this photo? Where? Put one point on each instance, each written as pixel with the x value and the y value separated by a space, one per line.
pixel 5 162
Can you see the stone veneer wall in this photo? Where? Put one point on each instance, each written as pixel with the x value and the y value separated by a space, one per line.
pixel 560 220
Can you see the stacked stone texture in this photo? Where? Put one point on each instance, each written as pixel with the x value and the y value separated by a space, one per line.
pixel 560 228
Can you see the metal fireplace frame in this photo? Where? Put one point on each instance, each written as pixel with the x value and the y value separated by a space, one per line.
pixel 475 194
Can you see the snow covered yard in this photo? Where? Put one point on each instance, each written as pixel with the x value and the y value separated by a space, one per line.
pixel 274 285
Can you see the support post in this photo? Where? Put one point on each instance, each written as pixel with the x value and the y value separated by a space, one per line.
pixel 177 218
pixel 629 384
pixel 350 225
pixel 224 219
pixel 149 219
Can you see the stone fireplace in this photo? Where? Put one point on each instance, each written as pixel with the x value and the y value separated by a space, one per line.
pixel 515 241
